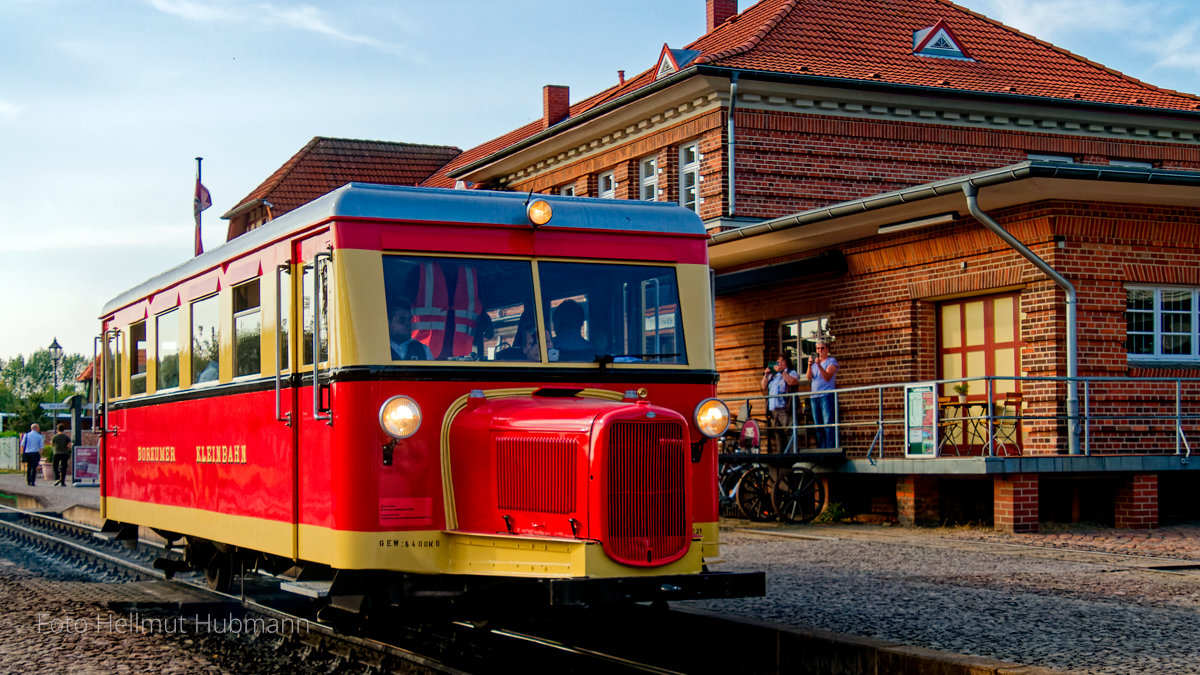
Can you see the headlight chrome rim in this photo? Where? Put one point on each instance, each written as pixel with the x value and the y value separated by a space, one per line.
pixel 712 417
pixel 400 417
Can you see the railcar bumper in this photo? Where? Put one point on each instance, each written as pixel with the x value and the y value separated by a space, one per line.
pixel 709 585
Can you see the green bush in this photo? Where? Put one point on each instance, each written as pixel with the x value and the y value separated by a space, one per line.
pixel 834 512
pixel 48 453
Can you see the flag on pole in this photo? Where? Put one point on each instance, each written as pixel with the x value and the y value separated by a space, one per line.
pixel 202 201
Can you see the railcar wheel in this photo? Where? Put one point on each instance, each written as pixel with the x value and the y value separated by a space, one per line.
pixel 799 496
pixel 218 573
pixel 754 494
pixel 728 481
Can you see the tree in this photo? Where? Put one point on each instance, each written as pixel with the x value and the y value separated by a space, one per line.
pixel 36 375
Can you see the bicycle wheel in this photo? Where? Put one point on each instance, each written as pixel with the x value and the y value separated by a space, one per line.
pixel 727 482
pixel 754 494
pixel 798 496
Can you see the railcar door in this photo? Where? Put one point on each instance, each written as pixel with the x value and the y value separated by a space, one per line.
pixel 305 280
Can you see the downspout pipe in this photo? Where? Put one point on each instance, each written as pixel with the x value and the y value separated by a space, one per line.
pixel 972 193
pixel 732 174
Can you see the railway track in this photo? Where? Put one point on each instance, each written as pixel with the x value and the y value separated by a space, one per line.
pixel 384 642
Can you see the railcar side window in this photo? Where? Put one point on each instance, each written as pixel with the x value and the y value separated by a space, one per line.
pixel 628 312
pixel 247 330
pixel 206 340
pixel 137 360
pixel 460 309
pixel 167 349
pixel 114 366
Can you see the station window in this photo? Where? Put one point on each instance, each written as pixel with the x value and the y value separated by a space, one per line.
pixel 648 176
pixel 206 340
pixel 247 330
pixel 137 361
pixel 689 176
pixel 1161 323
pixel 167 349
pixel 798 339
pixel 567 191
pixel 607 185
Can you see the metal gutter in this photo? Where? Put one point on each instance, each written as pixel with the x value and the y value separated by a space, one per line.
pixel 972 194
pixel 950 186
pixel 732 170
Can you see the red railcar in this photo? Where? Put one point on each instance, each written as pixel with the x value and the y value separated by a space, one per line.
pixel 407 390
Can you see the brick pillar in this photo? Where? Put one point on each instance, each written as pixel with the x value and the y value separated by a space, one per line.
pixel 1137 502
pixel 917 499
pixel 1015 502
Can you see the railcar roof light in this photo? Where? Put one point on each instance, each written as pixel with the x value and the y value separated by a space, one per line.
pixel 712 417
pixel 539 212
pixel 400 417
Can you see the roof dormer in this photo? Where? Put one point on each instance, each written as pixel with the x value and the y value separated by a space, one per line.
pixel 673 60
pixel 939 41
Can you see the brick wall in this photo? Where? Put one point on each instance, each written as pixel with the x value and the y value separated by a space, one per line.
pixel 883 310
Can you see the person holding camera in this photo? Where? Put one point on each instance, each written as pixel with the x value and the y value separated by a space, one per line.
pixel 822 370
pixel 775 382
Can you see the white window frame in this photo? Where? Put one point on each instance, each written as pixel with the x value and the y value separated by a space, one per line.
pixel 648 178
pixel 606 185
pixel 567 191
pixel 689 169
pixel 807 329
pixel 1159 315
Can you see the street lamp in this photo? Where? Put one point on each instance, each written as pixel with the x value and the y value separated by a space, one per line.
pixel 55 357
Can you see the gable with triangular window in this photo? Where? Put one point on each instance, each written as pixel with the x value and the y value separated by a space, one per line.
pixel 939 40
pixel 673 60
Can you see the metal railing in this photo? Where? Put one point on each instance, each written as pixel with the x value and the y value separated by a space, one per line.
pixel 1117 415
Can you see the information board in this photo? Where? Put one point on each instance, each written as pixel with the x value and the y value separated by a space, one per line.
pixel 87 464
pixel 920 420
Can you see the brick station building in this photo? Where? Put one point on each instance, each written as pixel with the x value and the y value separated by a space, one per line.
pixel 949 198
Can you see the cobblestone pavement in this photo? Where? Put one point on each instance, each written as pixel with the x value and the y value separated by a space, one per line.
pixel 1070 599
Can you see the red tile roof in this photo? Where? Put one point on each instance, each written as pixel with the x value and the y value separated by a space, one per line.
pixel 871 40
pixel 325 164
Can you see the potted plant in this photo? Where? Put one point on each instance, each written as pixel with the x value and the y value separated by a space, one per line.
pixel 961 389
pixel 48 462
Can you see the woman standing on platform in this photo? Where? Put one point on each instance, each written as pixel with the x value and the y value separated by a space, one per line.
pixel 822 370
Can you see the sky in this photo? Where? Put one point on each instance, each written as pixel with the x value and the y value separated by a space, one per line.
pixel 105 104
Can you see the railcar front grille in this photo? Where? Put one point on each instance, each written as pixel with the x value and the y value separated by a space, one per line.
pixel 647 492
pixel 536 473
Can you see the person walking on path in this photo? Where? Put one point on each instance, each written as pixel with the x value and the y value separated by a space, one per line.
pixel 62 454
pixel 31 449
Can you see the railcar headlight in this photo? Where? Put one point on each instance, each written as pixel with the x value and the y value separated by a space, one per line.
pixel 400 416
pixel 712 417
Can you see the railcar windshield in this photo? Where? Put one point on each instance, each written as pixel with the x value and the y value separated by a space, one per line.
pixel 468 309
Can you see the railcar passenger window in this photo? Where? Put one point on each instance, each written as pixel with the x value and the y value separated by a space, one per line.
pixel 247 330
pixel 206 340
pixel 628 312
pixel 167 349
pixel 137 360
pixel 460 309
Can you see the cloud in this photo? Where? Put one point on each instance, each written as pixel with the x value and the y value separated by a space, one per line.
pixel 300 17
pixel 8 110
pixel 1179 49
pixel 1052 19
